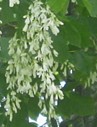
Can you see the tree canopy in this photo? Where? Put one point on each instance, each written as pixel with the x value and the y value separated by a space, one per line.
pixel 48 62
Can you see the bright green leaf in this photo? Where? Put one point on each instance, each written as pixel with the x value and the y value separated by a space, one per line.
pixel 58 6
pixel 91 6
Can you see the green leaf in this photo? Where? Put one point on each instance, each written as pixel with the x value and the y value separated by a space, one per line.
pixel 91 6
pixel 58 6
pixel 3 85
pixel 60 45
pixel 71 34
pixel 92 26
pixel 83 65
pixel 82 25
pixel 20 119
pixel 83 61
pixel 33 108
pixel 7 14
pixel 76 104
pixel 4 49
pixel 68 35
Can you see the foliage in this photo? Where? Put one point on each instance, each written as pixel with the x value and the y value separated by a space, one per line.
pixel 42 44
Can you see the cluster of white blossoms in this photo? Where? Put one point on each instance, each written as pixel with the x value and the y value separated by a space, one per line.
pixel 13 2
pixel 31 67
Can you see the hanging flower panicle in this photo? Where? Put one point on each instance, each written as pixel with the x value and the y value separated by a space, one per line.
pixel 32 59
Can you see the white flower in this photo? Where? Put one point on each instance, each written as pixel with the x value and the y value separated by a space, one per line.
pixel 52 89
pixel 12 2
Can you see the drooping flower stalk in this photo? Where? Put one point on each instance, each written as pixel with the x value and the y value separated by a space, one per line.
pixel 30 69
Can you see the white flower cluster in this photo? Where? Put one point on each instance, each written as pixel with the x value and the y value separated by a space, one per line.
pixel 31 69
pixel 13 2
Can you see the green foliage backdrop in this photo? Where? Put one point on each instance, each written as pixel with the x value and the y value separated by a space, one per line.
pixel 44 42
